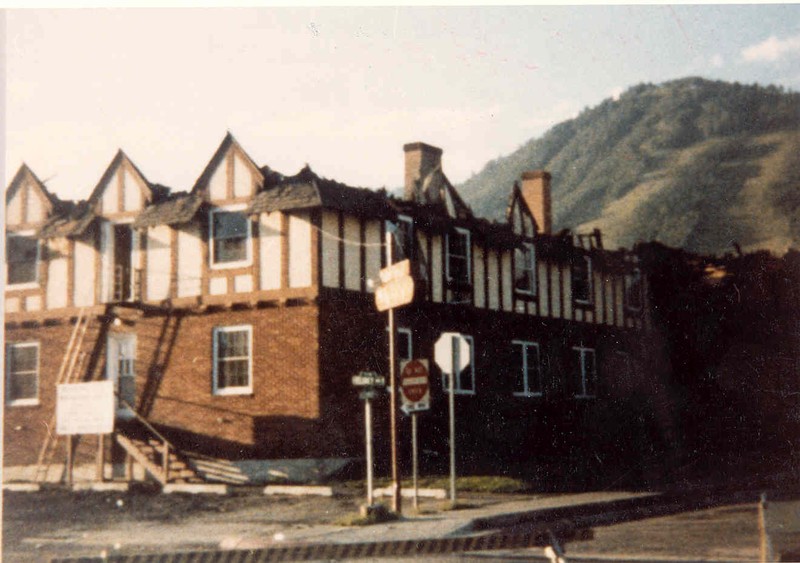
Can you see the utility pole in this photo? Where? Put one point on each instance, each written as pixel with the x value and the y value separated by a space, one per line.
pixel 396 493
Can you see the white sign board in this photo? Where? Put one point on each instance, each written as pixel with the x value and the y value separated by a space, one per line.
pixel 395 293
pixel 443 352
pixel 398 270
pixel 85 408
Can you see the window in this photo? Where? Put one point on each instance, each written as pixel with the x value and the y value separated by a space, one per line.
pixel 230 239
pixel 403 343
pixel 465 379
pixel 582 279
pixel 233 362
pixel 402 238
pixel 633 290
pixel 458 263
pixel 585 373
pixel 22 260
pixel 528 375
pixel 525 269
pixel 22 373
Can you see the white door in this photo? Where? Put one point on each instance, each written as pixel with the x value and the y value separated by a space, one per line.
pixel 121 369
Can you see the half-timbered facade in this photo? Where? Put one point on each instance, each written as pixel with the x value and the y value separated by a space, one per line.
pixel 232 316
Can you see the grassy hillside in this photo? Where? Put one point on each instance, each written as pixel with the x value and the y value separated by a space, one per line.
pixel 690 163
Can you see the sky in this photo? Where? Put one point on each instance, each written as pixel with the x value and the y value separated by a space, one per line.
pixel 343 89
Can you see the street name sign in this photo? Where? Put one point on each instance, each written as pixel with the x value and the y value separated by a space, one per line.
pixel 368 379
pixel 415 386
pixel 397 292
pixel 395 271
pixel 85 408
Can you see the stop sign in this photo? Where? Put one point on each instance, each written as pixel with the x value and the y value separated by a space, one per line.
pixel 414 380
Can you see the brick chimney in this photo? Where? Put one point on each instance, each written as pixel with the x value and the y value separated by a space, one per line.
pixel 421 159
pixel 536 192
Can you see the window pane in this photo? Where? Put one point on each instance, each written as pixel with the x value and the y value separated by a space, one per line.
pixel 233 373
pixel 24 358
pixel 230 250
pixel 403 346
pixel 581 288
pixel 21 259
pixel 22 386
pixel 229 224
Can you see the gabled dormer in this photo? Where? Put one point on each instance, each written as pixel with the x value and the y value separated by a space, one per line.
pixel 122 190
pixel 519 216
pixel 231 176
pixel 28 202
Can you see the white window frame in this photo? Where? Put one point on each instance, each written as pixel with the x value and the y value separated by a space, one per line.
pixel 240 390
pixel 583 352
pixel 27 401
pixel 468 245
pixel 530 249
pixel 590 282
pixel 523 349
pixel 636 275
pixel 211 240
pixel 456 377
pixel 35 282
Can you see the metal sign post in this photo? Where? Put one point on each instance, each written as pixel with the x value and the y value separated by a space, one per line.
pixel 415 392
pixel 369 381
pixel 452 354
pixel 396 493
pixel 414 468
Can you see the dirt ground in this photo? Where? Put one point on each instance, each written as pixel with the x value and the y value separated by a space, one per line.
pixel 39 526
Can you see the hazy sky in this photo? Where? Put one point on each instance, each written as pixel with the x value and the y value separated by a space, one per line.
pixel 344 88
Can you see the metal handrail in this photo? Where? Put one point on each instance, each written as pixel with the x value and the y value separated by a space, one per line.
pixel 166 444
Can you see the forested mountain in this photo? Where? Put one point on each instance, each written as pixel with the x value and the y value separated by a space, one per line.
pixel 690 163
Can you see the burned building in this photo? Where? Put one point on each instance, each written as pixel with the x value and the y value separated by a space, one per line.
pixel 231 317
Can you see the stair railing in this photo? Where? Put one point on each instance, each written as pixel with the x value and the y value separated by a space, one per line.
pixel 165 445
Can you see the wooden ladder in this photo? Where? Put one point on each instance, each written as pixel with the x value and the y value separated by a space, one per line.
pixel 71 366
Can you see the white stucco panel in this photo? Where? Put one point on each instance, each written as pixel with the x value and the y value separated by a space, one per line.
pixel 33 303
pixel 106 261
pixel 494 280
pixel 436 268
pixel 14 208
pixel 508 288
pixel 566 299
pixel 190 261
pixel 132 192
pixel 12 304
pixel 243 283
pixel 242 177
pixel 84 282
pixel 555 292
pixel 218 285
pixel 158 262
pixel 352 253
pixel 269 231
pixel 299 250
pixel 57 280
pixel 478 277
pixel 330 249
pixel 372 234
pixel 110 199
pixel 218 182
pixel 35 207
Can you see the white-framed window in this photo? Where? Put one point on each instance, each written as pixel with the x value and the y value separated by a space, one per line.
pixel 465 379
pixel 230 238
pixel 458 261
pixel 528 372
pixel 22 373
pixel 585 373
pixel 402 238
pixel 633 290
pixel 525 269
pixel 22 260
pixel 233 360
pixel 582 279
